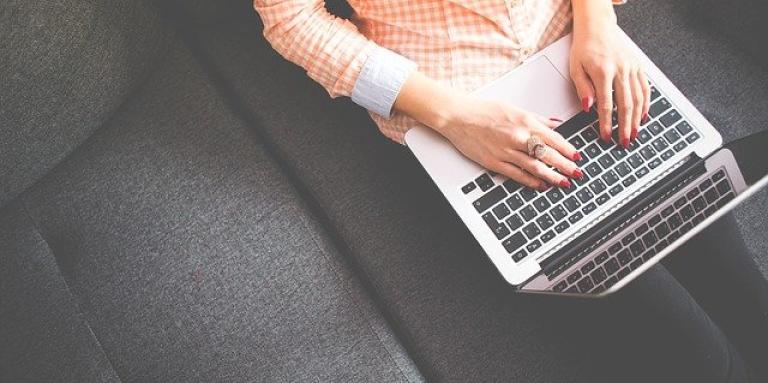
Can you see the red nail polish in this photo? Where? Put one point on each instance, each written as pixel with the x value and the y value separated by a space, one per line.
pixel 644 120
pixel 633 135
pixel 578 173
pixel 625 143
pixel 565 184
pixel 555 119
pixel 606 139
pixel 586 103
pixel 577 156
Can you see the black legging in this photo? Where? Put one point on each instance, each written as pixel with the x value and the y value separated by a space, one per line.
pixel 702 316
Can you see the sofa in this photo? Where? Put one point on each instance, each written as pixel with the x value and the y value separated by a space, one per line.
pixel 180 204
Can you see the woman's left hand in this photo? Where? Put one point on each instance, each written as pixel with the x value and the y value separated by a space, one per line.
pixel 603 67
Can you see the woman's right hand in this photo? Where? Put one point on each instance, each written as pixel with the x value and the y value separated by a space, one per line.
pixel 495 135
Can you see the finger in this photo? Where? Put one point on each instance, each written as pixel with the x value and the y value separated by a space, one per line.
pixel 552 122
pixel 583 86
pixel 561 163
pixel 603 82
pixel 624 106
pixel 518 175
pixel 557 142
pixel 646 95
pixel 537 168
pixel 638 99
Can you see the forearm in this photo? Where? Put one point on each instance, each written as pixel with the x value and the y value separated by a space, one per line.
pixel 427 101
pixel 588 13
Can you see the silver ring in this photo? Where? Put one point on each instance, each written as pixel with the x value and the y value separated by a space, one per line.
pixel 536 147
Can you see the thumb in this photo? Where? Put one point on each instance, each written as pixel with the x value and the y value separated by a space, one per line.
pixel 584 87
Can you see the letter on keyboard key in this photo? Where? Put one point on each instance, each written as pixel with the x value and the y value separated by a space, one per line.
pixel 562 226
pixel 517 257
pixel 670 118
pixel 514 242
pixel 554 195
pixel 658 107
pixel 575 217
pixel 584 195
pixel 514 222
pixel 541 204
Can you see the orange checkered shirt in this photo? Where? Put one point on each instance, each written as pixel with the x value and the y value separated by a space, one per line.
pixel 462 43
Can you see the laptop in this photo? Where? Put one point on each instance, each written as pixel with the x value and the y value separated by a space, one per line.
pixel 632 207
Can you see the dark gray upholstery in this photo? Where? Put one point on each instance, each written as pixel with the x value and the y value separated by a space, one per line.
pixel 66 67
pixel 207 214
pixel 187 253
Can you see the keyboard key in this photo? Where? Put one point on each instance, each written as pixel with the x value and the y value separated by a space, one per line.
pixel 654 163
pixel 644 135
pixel 667 211
pixel 647 152
pixel 582 180
pixel 606 160
pixel 585 284
pixel 511 186
pixel 572 290
pixel 531 231
pixel 546 237
pixel 514 222
pixel 654 220
pixel 489 199
pixel 641 172
pixel 605 146
pixel 618 152
pixel 577 142
pixel 484 181
pixel 514 242
pixel 575 217
pixel 616 190
pixel 670 118
pixel 704 185
pixel 675 221
pixel 545 221
pixel 518 256
pixel 623 169
pixel 562 226
pixel 628 239
pixel 662 230
pixel 528 213
pixel 667 155
pixel 610 282
pixel 636 263
pixel 624 272
pixel 660 144
pixel 584 195
pixel 614 248
pixel 680 202
pixel 723 187
pixel 624 257
pixel 611 266
pixel 574 277
pixel 589 134
pixel 515 202
pixel 699 204
pixel 650 239
pixel 725 199
pixel 499 229
pixel 571 203
pixel 718 176
pixel 560 286
pixel 587 267
pixel 672 136
pixel 641 229
pixel 554 195
pixel 594 169
pixel 533 246
pixel 710 210
pixel 654 93
pixel 680 146
pixel 598 276
pixel 683 128
pixel 558 212
pixel 597 186
pixel 635 160
pixel 637 248
pixel 610 177
pixel 628 181
pixel 501 210
pixel 687 213
pixel 711 196
pixel 693 137
pixel 589 208
pixel 541 204
pixel 603 198
pixel 466 189
pixel 527 193
pixel 593 150
pixel 659 107
pixel 655 128
pixel 602 257
pixel 697 219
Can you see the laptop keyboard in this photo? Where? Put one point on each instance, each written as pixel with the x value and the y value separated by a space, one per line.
pixel 630 251
pixel 524 219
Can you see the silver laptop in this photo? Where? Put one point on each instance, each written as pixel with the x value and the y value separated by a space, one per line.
pixel 632 207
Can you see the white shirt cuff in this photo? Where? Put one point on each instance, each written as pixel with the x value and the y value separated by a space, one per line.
pixel 380 80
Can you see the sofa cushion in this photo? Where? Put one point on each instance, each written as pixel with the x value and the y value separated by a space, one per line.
pixel 192 258
pixel 66 67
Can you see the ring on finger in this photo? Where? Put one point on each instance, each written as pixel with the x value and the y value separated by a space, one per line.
pixel 536 147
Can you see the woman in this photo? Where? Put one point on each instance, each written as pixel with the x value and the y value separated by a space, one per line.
pixel 415 62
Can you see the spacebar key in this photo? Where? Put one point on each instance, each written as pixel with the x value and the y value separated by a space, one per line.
pixel 489 199
pixel 514 242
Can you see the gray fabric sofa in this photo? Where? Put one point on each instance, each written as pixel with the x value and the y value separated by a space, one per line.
pixel 178 204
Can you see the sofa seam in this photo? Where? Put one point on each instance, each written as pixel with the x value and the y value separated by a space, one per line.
pixel 69 291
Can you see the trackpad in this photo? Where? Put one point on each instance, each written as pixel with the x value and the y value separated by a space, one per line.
pixel 536 86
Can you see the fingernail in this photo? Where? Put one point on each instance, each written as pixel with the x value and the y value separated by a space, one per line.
pixel 644 120
pixel 633 135
pixel 555 119
pixel 606 139
pixel 578 173
pixel 625 143
pixel 586 103
pixel 577 156
pixel 565 184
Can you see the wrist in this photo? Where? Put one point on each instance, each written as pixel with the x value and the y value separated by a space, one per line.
pixel 591 16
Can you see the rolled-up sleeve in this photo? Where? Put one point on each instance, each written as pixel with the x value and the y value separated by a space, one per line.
pixel 333 52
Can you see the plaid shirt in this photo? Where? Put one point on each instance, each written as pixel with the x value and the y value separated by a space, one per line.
pixel 462 43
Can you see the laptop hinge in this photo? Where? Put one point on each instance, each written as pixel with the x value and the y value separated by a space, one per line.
pixel 691 167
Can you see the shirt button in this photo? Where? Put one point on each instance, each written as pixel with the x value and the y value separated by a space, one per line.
pixel 514 3
pixel 525 52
